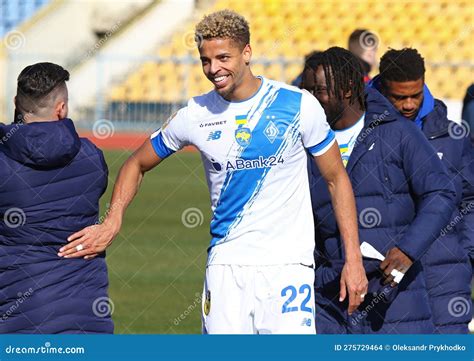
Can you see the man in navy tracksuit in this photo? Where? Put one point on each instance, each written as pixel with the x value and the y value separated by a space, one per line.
pixel 50 184
pixel 447 264
pixel 468 111
pixel 403 193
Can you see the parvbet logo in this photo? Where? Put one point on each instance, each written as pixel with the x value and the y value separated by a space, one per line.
pixel 243 135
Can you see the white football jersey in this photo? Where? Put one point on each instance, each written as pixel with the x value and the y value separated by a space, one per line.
pixel 256 168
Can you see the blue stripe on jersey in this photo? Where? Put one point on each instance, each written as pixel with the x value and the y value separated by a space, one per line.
pixel 318 147
pixel 160 147
pixel 264 98
pixel 241 186
pixel 292 135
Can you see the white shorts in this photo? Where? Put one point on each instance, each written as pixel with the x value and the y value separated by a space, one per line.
pixel 258 300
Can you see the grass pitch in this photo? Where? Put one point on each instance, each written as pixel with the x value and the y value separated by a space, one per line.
pixel 157 262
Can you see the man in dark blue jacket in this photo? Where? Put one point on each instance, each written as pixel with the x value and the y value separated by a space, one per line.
pixel 50 184
pixel 468 111
pixel 448 270
pixel 403 193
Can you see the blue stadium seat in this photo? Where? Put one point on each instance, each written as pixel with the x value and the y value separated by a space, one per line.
pixel 14 12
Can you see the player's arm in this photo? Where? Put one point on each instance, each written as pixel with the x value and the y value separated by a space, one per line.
pixel 353 278
pixel 95 239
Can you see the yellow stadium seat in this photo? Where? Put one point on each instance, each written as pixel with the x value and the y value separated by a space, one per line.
pixel 118 93
pixel 165 52
pixel 281 29
pixel 292 71
pixel 257 69
pixel 274 71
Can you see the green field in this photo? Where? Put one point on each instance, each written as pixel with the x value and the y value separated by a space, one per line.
pixel 156 264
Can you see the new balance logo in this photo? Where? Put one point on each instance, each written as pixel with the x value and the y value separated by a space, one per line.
pixel 214 135
pixel 306 322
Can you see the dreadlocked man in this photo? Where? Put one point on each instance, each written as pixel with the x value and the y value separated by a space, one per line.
pixel 403 197
pixel 346 80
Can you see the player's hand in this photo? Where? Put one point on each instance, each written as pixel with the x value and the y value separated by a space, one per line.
pixel 353 281
pixel 89 242
pixel 395 259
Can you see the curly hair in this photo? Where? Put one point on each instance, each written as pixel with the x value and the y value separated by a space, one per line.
pixel 402 65
pixel 225 24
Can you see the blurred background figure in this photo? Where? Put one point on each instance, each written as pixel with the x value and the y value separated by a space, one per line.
pixel 299 79
pixel 364 44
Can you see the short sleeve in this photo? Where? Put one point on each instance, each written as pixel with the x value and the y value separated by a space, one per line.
pixel 316 133
pixel 172 136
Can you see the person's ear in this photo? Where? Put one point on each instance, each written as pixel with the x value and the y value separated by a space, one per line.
pixel 60 110
pixel 247 54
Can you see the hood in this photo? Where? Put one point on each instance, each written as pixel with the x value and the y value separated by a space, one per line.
pixel 40 144
pixel 426 107
pixel 469 97
pixel 436 123
pixel 377 108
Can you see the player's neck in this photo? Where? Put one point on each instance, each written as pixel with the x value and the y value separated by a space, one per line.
pixel 247 89
pixel 350 116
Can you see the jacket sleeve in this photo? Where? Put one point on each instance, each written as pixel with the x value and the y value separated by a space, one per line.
pixel 432 189
pixel 467 203
pixel 105 170
pixel 313 180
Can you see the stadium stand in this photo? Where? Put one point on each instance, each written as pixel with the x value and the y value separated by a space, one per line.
pixel 148 79
pixel 70 33
pixel 14 12
pixel 283 31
